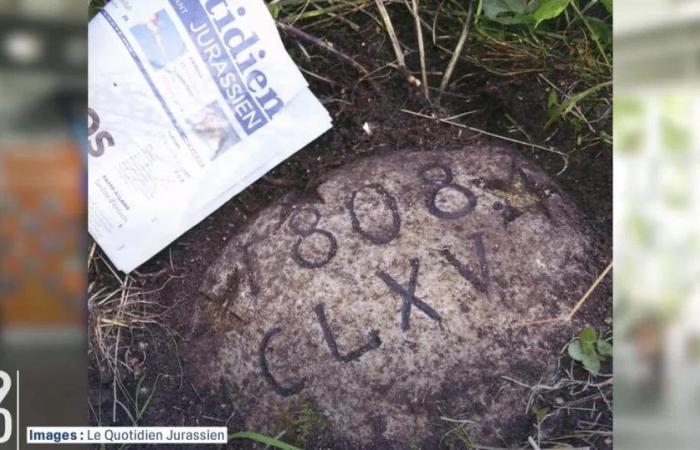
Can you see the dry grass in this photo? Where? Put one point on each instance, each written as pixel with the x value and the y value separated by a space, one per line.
pixel 120 316
pixel 570 391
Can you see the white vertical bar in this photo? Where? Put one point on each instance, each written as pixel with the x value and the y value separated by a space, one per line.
pixel 17 410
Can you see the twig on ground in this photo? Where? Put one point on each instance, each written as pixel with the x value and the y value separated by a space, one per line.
pixel 91 255
pixel 459 421
pixel 421 48
pixel 458 49
pixel 533 444
pixel 125 288
pixel 400 57
pixel 319 43
pixel 574 310
pixel 392 34
pixel 321 77
pixel 563 155
pixel 486 447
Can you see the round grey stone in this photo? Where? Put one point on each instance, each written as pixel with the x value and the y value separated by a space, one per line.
pixel 394 300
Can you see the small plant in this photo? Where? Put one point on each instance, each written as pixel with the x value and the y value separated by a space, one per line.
pixel 590 349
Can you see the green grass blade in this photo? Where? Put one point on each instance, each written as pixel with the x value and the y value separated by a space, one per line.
pixel 262 439
pixel 144 408
pixel 570 103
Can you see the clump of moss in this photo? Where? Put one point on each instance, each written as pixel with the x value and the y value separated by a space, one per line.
pixel 457 438
pixel 302 424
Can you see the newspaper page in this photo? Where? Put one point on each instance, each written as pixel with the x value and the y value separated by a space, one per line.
pixel 190 101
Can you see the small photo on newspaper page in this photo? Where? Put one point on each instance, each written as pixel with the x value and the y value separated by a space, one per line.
pixel 189 103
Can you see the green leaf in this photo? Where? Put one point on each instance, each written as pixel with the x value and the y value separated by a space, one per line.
pixel 548 9
pixel 591 363
pixel 575 351
pixel 588 348
pixel 262 439
pixel 588 335
pixel 507 12
pixel 570 103
pixel 93 10
pixel 541 413
pixel 492 9
pixel 608 5
pixel 514 12
pixel 274 9
pixel 600 31
pixel 604 348
pixel 496 32
pixel 552 103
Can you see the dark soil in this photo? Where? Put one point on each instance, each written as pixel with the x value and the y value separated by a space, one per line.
pixel 352 103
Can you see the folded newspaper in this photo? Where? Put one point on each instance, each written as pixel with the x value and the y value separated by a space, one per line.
pixel 190 101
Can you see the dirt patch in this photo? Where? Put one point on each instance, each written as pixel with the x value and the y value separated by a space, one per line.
pixel 178 358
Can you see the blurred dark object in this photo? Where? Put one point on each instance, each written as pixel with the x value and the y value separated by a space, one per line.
pixel 39 45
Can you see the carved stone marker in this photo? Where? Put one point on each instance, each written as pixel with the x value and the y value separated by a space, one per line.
pixel 393 301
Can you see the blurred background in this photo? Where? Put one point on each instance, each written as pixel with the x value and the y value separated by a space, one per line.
pixel 656 224
pixel 43 68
